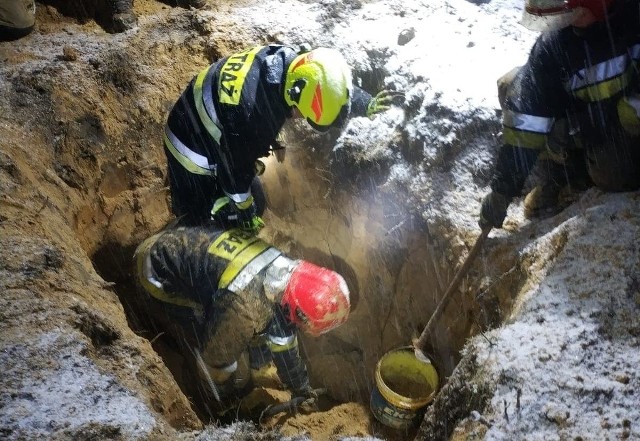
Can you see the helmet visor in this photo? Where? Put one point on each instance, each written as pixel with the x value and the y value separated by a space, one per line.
pixel 547 15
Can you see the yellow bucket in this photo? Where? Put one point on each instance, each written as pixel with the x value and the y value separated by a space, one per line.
pixel 404 386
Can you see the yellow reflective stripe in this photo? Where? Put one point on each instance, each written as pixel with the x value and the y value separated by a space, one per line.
pixel 233 74
pixel 245 204
pixel 146 275
pixel 209 124
pixel 237 264
pixel 184 160
pixel 239 248
pixel 604 90
pixel 282 344
pixel 527 140
pixel 219 204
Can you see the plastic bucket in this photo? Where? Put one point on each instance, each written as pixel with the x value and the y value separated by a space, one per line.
pixel 404 386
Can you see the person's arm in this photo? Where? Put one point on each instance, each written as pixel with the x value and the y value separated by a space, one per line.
pixel 534 99
pixel 360 101
pixel 233 320
pixel 283 343
pixel 364 104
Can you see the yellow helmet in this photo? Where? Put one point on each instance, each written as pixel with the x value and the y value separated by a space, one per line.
pixel 318 84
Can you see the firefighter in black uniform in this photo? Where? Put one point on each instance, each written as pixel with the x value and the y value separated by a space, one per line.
pixel 575 103
pixel 225 294
pixel 230 115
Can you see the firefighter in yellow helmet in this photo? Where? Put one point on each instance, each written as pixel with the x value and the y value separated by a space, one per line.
pixel 225 294
pixel 230 115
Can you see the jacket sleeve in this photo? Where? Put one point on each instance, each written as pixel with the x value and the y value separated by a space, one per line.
pixel 283 343
pixel 359 102
pixel 535 100
pixel 233 321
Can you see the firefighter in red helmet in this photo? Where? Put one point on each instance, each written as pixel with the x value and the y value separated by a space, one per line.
pixel 573 110
pixel 225 296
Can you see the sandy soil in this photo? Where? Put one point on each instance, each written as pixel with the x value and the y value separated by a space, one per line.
pixel 83 181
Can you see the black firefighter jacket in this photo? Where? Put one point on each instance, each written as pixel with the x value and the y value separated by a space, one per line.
pixel 579 76
pixel 229 116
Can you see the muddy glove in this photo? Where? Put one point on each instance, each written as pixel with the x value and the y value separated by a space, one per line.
pixel 306 392
pixel 383 101
pixel 248 218
pixel 494 210
pixel 242 215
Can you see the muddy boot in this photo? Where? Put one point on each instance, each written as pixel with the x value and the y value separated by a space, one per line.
pixel 17 19
pixel 542 201
pixel 197 4
pixel 559 185
pixel 123 16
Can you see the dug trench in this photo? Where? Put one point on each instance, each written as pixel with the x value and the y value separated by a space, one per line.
pixel 393 272
pixel 395 275
pixel 98 187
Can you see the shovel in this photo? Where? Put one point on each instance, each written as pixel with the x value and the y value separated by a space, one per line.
pixel 421 342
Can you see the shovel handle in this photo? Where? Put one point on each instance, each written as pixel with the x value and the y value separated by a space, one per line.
pixel 421 342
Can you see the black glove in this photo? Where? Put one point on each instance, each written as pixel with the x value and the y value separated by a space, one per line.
pixel 308 393
pixel 494 210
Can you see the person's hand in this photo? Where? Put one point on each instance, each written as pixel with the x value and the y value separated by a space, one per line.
pixel 248 218
pixel 494 210
pixel 383 101
pixel 306 392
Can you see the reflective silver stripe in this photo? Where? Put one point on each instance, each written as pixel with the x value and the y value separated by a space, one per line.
pixel 148 271
pixel 634 101
pixel 281 341
pixel 634 52
pixel 244 277
pixel 229 369
pixel 206 112
pixel 529 123
pixel 599 72
pixel 200 163
pixel 239 198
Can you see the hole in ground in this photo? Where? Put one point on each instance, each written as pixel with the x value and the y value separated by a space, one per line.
pixel 396 281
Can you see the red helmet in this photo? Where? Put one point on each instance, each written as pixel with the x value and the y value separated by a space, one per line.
pixel 541 15
pixel 316 299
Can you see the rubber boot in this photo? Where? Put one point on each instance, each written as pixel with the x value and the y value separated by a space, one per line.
pixel 560 185
pixel 123 16
pixel 17 19
pixel 542 201
pixel 197 4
